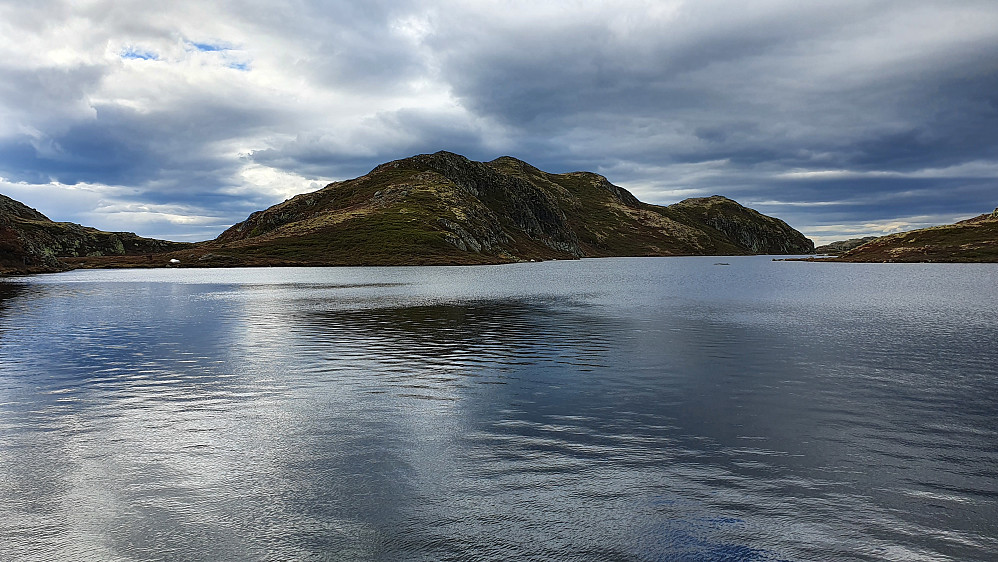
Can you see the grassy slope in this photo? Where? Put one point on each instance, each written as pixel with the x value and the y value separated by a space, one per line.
pixel 392 217
pixel 961 242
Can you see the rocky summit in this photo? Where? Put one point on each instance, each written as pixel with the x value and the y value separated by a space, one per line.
pixel 32 243
pixel 443 208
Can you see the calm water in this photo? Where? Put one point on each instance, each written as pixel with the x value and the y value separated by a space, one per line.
pixel 618 409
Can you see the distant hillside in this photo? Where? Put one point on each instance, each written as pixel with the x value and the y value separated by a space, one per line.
pixel 31 243
pixel 842 246
pixel 445 209
pixel 972 240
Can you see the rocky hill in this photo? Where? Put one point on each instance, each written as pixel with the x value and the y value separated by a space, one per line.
pixel 31 243
pixel 971 240
pixel 445 209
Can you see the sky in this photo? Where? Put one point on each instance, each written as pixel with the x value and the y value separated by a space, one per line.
pixel 845 118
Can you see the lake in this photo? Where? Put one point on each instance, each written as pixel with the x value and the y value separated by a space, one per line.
pixel 733 408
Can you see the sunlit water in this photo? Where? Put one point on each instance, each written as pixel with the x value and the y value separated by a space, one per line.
pixel 618 409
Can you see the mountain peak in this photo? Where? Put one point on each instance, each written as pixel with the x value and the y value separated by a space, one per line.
pixel 441 159
pixel 711 200
pixel 513 165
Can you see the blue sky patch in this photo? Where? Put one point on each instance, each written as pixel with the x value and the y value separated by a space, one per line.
pixel 141 54
pixel 208 47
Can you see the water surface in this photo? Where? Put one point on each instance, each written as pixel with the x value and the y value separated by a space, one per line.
pixel 615 409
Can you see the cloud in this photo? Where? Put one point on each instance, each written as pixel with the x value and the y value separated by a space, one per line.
pixel 827 233
pixel 971 169
pixel 848 113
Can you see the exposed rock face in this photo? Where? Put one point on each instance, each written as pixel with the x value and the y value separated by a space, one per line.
pixel 30 242
pixel 971 240
pixel 444 208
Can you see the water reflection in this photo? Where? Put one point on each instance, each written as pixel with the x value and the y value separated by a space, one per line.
pixel 411 417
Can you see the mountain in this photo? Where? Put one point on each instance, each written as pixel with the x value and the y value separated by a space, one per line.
pixel 428 209
pixel 32 243
pixel 445 209
pixel 971 240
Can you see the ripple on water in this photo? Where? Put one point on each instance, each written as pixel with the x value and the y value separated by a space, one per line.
pixel 610 409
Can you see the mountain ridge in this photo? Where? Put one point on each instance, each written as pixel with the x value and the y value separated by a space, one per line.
pixel 439 208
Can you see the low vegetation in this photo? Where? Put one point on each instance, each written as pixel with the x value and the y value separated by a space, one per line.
pixel 969 241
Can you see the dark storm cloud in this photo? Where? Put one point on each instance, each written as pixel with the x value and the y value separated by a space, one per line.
pixel 121 146
pixel 741 94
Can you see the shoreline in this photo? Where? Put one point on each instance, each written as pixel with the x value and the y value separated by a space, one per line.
pixel 141 262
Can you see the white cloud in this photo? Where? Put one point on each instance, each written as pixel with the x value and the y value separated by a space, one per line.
pixel 836 174
pixel 772 203
pixel 175 214
pixel 972 169
pixel 827 233
pixel 275 183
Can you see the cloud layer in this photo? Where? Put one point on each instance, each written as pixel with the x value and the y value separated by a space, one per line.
pixel 844 118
